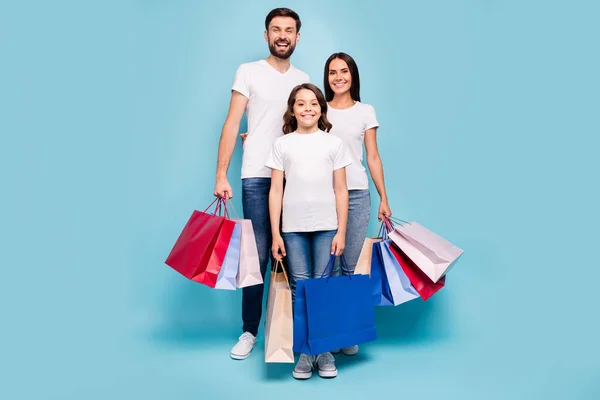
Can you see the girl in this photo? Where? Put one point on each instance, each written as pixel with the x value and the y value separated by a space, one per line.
pixel 315 202
pixel 355 123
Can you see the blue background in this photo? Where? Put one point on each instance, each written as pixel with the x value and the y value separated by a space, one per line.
pixel 110 117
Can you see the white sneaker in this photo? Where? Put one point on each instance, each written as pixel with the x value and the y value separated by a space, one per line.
pixel 326 365
pixel 304 367
pixel 243 347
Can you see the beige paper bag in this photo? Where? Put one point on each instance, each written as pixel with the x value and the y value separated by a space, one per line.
pixel 279 322
pixel 363 265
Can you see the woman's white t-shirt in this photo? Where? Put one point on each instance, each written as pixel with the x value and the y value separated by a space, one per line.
pixel 308 161
pixel 350 125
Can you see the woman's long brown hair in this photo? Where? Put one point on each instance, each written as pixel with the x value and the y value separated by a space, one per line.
pixel 290 124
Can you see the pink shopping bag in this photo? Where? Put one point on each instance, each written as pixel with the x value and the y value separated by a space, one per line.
pixel 434 255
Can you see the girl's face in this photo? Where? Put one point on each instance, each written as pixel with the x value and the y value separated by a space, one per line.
pixel 307 109
pixel 340 78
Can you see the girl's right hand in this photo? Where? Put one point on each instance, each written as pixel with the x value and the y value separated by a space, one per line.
pixel 278 248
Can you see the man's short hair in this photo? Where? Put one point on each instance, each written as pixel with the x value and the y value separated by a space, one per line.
pixel 283 12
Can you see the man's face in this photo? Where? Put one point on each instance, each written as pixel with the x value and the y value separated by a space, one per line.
pixel 282 37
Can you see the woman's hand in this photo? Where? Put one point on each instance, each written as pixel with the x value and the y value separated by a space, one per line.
pixel 338 244
pixel 384 209
pixel 278 248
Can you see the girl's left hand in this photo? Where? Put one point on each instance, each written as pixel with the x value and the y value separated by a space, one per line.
pixel 338 244
pixel 384 209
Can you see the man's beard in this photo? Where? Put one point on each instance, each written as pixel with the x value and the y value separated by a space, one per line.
pixel 285 55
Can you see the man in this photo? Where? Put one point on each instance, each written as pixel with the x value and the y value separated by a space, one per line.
pixel 261 89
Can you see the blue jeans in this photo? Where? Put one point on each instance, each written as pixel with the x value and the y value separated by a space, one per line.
pixel 307 255
pixel 255 202
pixel 359 211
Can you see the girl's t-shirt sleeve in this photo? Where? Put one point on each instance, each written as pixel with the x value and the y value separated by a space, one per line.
pixel 341 157
pixel 370 118
pixel 275 159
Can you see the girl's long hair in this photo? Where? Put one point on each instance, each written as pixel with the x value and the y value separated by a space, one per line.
pixel 290 124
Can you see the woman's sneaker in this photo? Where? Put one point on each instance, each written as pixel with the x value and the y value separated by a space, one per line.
pixel 326 365
pixel 304 367
pixel 349 351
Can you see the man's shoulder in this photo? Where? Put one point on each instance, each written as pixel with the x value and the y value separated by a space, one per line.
pixel 300 73
pixel 251 65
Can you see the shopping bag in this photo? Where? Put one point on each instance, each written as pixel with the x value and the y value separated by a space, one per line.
pixel 200 249
pixel 249 269
pixel 227 275
pixel 433 254
pixel 363 265
pixel 380 287
pixel 337 312
pixel 421 282
pixel 399 284
pixel 279 325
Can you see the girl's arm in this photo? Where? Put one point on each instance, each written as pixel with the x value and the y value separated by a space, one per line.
pixel 341 201
pixel 376 170
pixel 275 203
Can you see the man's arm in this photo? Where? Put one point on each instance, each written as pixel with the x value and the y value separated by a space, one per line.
pixel 229 133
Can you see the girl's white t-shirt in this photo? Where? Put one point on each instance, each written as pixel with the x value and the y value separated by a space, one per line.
pixel 350 125
pixel 308 162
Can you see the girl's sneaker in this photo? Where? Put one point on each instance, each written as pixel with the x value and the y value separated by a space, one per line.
pixel 326 365
pixel 304 367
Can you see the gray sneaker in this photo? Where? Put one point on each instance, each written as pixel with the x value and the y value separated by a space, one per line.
pixel 304 367
pixel 326 365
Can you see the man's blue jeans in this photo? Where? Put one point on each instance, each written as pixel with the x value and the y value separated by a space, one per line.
pixel 255 202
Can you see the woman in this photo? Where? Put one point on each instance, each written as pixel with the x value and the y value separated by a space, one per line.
pixel 356 124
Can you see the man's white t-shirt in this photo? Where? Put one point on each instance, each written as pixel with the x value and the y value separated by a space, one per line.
pixel 267 91
pixel 350 125
pixel 308 161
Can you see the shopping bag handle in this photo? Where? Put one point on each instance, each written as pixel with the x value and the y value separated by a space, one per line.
pixel 274 269
pixel 389 225
pixel 397 220
pixel 383 231
pixel 221 202
pixel 343 264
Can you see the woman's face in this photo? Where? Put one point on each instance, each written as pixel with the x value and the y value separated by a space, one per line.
pixel 307 109
pixel 340 79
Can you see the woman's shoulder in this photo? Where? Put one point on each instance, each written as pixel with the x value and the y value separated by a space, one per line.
pixel 364 106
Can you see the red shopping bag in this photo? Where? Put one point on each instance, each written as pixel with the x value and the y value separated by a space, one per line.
pixel 199 251
pixel 421 282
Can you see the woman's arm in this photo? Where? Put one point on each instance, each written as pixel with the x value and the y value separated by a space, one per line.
pixel 341 202
pixel 275 204
pixel 376 170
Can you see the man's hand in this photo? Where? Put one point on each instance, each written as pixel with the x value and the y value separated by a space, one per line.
pixel 222 187
pixel 244 136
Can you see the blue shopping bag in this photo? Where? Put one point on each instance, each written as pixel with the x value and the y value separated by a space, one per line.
pixel 380 287
pixel 399 285
pixel 226 279
pixel 333 312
